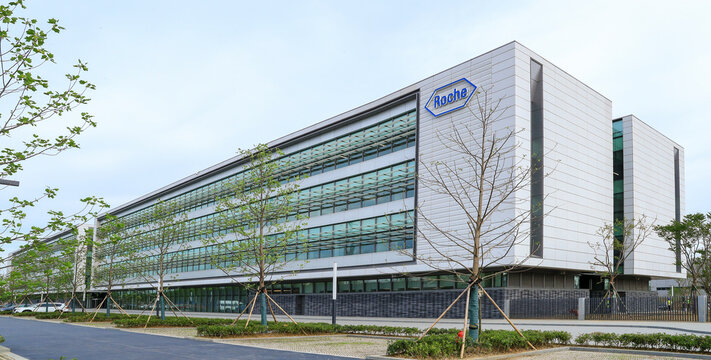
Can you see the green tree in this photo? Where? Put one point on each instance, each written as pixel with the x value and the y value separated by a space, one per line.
pixel 46 264
pixel 69 274
pixel 256 225
pixel 110 252
pixel 164 238
pixel 31 107
pixel 691 239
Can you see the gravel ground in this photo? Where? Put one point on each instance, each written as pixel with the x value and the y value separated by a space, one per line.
pixel 587 355
pixel 337 345
pixel 98 324
pixel 166 331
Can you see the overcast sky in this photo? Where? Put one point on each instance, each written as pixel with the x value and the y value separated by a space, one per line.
pixel 181 85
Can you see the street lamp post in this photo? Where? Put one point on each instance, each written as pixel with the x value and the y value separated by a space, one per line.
pixel 9 182
pixel 335 290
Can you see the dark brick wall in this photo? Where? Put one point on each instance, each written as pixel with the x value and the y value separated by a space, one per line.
pixel 430 304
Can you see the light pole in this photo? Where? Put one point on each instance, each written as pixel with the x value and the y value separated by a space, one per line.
pixel 335 290
pixel 9 182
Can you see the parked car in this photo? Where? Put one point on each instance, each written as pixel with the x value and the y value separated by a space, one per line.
pixel 23 308
pixel 42 307
pixel 8 307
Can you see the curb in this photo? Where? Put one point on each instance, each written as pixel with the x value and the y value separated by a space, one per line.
pixel 5 351
pixel 574 348
pixel 641 352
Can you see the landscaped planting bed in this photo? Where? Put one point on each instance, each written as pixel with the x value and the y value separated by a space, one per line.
pixel 490 341
pixel 656 341
pixel 255 328
pixel 501 341
pixel 169 322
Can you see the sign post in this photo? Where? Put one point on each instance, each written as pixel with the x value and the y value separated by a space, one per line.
pixel 335 290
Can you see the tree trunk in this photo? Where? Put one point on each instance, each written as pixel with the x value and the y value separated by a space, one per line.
pixel 474 315
pixel 162 306
pixel 263 304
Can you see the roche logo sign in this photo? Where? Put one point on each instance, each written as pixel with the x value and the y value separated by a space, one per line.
pixel 450 97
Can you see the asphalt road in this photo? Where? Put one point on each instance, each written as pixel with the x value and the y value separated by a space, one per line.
pixel 38 340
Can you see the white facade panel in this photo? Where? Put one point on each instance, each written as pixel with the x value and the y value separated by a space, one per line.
pixel 577 160
pixel 649 190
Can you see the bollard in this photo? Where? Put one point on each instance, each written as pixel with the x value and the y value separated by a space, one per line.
pixel 507 307
pixel 703 307
pixel 581 308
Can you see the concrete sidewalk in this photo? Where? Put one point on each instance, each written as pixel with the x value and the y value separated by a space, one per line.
pixel 574 327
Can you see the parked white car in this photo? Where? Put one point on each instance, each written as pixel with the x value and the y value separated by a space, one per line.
pixel 41 307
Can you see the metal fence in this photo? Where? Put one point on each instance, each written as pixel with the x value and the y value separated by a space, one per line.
pixel 665 308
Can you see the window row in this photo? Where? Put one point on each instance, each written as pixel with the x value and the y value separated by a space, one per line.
pixel 377 234
pixel 385 137
pixel 388 184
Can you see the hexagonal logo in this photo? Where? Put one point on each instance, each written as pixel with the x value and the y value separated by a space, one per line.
pixel 450 97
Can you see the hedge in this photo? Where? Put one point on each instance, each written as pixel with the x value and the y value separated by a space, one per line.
pixel 449 345
pixel 308 328
pixel 100 317
pixel 6 312
pixel 27 313
pixel 655 341
pixel 168 322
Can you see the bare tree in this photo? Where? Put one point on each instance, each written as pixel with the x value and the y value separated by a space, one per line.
pixel 616 243
pixel 254 234
pixel 480 178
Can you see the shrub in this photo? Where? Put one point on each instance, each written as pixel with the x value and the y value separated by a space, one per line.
pixel 49 315
pixel 436 346
pixel 100 317
pixel 2 339
pixel 658 341
pixel 582 339
pixel 27 313
pixel 447 344
pixel 6 312
pixel 223 331
pixel 315 328
pixel 168 322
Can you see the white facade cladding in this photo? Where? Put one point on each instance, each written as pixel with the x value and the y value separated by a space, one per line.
pixel 577 159
pixel 574 128
pixel 650 177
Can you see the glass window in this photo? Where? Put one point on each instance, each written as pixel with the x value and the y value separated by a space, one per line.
pixel 385 284
pixel 414 283
pixel 371 285
pixel 446 281
pixel 399 284
pixel 429 283
pixel 344 286
pixel 357 286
